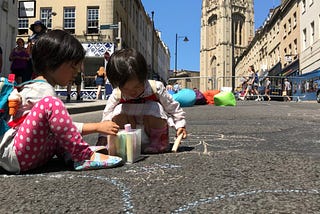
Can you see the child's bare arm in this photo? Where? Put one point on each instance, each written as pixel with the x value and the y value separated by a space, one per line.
pixel 104 127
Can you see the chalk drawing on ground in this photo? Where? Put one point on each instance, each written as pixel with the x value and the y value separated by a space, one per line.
pixel 190 206
pixel 221 141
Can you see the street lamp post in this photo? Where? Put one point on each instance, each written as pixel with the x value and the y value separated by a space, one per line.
pixel 176 51
pixel 49 16
pixel 152 45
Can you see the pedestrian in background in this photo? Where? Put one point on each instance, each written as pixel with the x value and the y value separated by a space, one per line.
pixel 252 84
pixel 176 87
pixel 47 130
pixel 286 90
pixel 77 82
pixel 100 79
pixel 19 58
pixel 267 86
pixel 144 104
pixel 107 87
pixel 38 29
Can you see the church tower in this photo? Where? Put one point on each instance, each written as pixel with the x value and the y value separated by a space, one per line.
pixel 227 27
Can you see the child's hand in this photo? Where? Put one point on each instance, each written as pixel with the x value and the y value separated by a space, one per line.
pixel 108 127
pixel 183 131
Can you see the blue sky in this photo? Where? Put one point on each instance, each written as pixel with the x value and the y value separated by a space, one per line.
pixel 183 17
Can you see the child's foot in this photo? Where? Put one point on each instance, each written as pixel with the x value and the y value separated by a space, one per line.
pixel 157 147
pixel 98 160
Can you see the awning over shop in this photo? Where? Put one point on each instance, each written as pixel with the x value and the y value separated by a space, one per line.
pixel 291 69
pixel 275 70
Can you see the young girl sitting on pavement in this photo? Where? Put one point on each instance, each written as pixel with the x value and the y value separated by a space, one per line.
pixel 43 126
pixel 143 104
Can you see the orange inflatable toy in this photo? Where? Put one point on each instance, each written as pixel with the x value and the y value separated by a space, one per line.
pixel 209 95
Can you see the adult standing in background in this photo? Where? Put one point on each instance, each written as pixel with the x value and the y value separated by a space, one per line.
pixel 100 79
pixel 286 90
pixel 38 29
pixel 77 81
pixel 107 87
pixel 19 58
pixel 267 85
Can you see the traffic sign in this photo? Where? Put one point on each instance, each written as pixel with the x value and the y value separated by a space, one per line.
pixel 107 27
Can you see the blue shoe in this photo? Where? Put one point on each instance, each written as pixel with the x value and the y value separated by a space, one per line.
pixel 98 160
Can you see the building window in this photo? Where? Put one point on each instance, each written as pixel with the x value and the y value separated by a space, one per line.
pixel 69 18
pixel 319 26
pixel 284 31
pixel 23 25
pixel 303 2
pixel 311 33
pixel 290 48
pixel 93 20
pixel 311 3
pixel 294 19
pixel 304 39
pixel 289 26
pixel 46 17
pixel 295 43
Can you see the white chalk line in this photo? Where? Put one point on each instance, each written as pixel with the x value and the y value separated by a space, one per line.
pixel 221 197
pixel 126 193
pixel 222 137
pixel 128 204
pixel 126 198
pixel 152 168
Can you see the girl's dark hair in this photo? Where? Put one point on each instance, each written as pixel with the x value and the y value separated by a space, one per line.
pixel 126 64
pixel 55 48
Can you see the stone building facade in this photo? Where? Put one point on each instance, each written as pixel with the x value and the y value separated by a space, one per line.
pixel 276 46
pixel 104 26
pixel 227 28
pixel 310 32
pixel 8 26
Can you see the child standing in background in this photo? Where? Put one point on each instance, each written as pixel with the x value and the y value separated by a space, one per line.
pixel 143 104
pixel 43 126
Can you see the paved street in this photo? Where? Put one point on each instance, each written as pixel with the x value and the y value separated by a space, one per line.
pixel 257 157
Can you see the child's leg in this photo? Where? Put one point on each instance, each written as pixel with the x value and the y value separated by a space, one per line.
pixel 123 119
pixel 158 132
pixel 47 131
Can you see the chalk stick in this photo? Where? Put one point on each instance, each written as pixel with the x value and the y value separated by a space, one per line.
pixel 177 143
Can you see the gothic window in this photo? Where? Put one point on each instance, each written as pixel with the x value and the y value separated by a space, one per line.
pixel 237 27
pixel 212 23
pixel 212 20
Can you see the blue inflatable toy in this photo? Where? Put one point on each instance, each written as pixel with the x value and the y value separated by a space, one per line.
pixel 186 97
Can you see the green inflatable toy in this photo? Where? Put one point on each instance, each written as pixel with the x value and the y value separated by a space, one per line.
pixel 225 99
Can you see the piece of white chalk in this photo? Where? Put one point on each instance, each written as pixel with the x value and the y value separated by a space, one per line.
pixel 177 143
pixel 127 127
